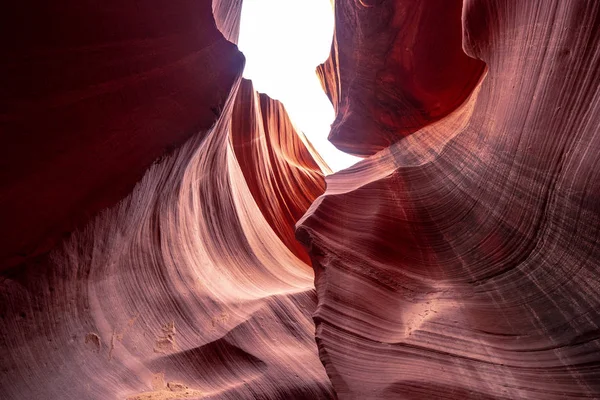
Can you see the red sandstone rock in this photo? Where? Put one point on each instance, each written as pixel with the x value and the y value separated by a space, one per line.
pixel 278 168
pixel 92 93
pixel 463 261
pixel 227 15
pixel 460 262
pixel 395 67
pixel 184 285
pixel 190 287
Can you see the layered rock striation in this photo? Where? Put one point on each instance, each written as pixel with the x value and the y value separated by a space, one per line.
pixel 395 67
pixel 92 94
pixel 193 285
pixel 168 233
pixel 471 270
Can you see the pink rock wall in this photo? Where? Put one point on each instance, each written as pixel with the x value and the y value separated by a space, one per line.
pixel 459 260
pixel 471 270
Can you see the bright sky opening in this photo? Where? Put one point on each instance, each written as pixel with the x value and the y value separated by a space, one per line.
pixel 284 41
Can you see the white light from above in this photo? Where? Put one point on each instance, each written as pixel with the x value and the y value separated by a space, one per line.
pixel 283 42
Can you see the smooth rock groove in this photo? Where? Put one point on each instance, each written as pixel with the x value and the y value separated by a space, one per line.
pixel 92 94
pixel 184 282
pixel 150 200
pixel 463 260
pixel 192 286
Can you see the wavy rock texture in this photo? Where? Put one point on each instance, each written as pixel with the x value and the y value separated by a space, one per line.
pixel 460 260
pixel 227 14
pixel 463 261
pixel 191 287
pixel 181 291
pixel 93 93
pixel 395 67
pixel 277 164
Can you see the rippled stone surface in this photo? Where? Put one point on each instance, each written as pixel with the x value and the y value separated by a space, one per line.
pixel 463 261
pixel 278 167
pixel 193 285
pixel 395 66
pixel 459 260
pixel 92 94
pixel 183 290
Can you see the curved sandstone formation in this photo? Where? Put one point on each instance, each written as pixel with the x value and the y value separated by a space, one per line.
pixel 460 260
pixel 192 286
pixel 227 14
pixel 181 291
pixel 395 66
pixel 278 167
pixel 92 94
pixel 471 269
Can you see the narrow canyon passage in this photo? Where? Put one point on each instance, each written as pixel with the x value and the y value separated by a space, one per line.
pixel 169 231
pixel 284 42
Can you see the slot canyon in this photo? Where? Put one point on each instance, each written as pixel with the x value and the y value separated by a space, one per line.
pixel 168 231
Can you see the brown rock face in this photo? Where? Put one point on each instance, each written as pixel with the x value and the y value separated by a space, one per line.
pixel 191 286
pixel 279 169
pixel 471 270
pixel 183 290
pixel 460 260
pixel 227 15
pixel 395 67
pixel 92 93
